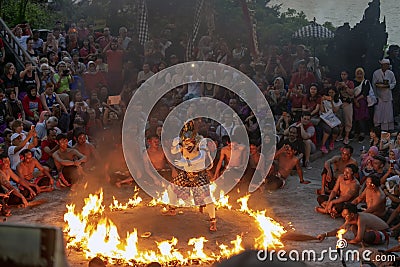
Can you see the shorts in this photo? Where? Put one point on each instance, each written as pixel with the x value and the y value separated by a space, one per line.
pixel 71 174
pixel 274 182
pixel 330 185
pixel 375 237
pixel 198 184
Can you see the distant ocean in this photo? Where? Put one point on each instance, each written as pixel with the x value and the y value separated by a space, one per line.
pixel 341 11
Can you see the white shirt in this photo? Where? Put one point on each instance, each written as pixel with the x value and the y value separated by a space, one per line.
pixel 22 41
pixel 384 94
pixel 14 157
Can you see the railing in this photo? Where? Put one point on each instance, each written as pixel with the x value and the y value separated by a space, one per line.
pixel 12 43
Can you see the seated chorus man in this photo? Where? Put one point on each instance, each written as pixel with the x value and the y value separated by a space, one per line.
pixel 367 227
pixel 346 189
pixel 41 180
pixel 374 197
pixel 157 160
pixel 86 149
pixel 68 161
pixel 306 132
pixel 334 167
pixel 6 174
pixel 232 156
pixel 285 161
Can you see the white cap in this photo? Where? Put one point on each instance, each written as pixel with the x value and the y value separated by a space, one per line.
pixel 384 61
pixel 14 136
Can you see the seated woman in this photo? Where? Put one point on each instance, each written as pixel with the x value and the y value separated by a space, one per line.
pixel 330 102
pixel 311 103
pixel 380 140
pixel 49 98
pixel 367 158
pixel 295 96
pixel 32 104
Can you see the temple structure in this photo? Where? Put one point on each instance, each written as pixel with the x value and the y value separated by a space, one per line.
pixel 360 46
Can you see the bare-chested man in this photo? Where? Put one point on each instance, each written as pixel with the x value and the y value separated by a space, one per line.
pixel 68 161
pixel 157 159
pixel 334 167
pixel 284 161
pixel 232 155
pixel 5 175
pixel 345 190
pixel 366 227
pixel 40 180
pixel 86 149
pixel 374 196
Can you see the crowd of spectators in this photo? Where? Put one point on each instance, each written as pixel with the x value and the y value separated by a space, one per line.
pixel 67 105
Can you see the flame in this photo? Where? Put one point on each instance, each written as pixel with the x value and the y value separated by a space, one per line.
pixel 163 198
pixel 243 203
pixel 132 202
pixel 222 201
pixel 96 235
pixel 271 231
pixel 340 233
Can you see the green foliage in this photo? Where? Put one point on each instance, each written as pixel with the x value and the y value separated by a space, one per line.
pixel 273 25
pixel 37 14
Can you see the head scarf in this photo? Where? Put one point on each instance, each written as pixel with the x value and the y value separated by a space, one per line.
pixel 362 70
pixel 396 153
pixel 374 150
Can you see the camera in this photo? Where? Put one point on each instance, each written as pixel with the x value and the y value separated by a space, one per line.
pixel 392 161
pixel 66 72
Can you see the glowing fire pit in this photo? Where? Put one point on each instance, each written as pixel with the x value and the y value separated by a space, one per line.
pixel 91 232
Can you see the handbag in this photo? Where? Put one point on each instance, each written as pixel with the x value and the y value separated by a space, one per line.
pixel 330 118
pixel 371 98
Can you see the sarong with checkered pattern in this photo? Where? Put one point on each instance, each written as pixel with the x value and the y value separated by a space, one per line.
pixel 198 183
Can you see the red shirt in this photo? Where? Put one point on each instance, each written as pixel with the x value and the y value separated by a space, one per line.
pixel 115 60
pixel 32 105
pixel 50 144
pixel 314 137
pixel 306 80
pixel 297 101
pixel 93 80
pixel 311 103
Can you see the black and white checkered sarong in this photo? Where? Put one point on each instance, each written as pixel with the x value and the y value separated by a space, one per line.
pixel 195 182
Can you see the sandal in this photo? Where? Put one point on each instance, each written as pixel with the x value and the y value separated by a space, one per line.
pixel 213 224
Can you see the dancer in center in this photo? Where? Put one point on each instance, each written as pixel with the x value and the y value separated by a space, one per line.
pixel 192 178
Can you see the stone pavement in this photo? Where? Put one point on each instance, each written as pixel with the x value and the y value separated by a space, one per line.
pixel 294 205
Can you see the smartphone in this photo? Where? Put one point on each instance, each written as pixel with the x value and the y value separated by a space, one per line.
pixel 114 99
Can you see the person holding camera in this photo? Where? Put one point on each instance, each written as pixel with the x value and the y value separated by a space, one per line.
pixel 28 77
pixel 62 80
pixel 22 32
